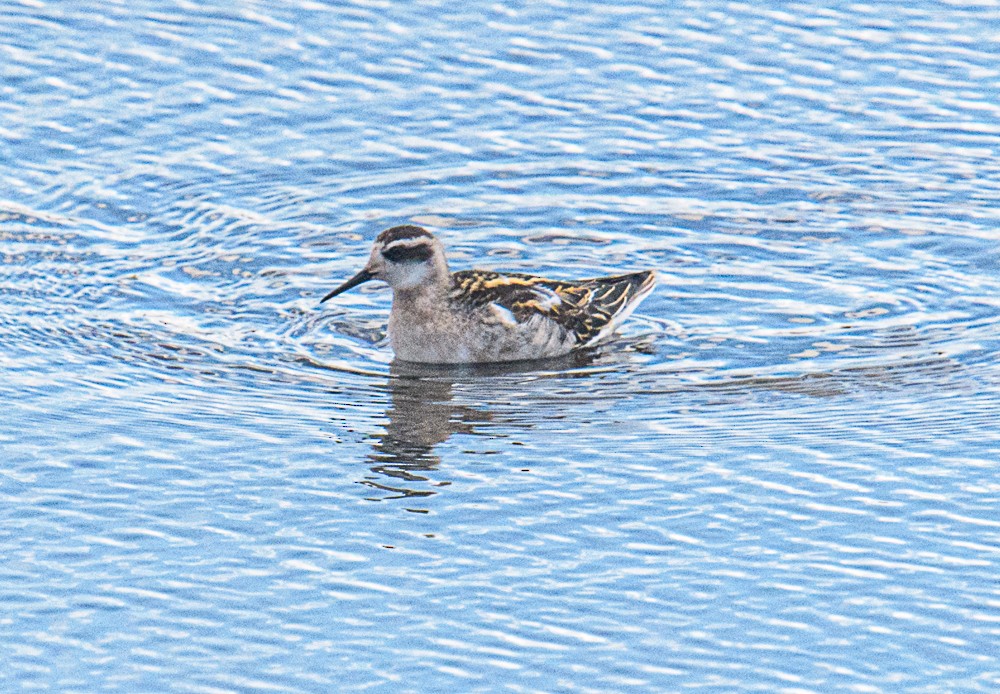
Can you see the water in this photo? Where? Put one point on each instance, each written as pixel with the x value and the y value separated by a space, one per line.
pixel 782 477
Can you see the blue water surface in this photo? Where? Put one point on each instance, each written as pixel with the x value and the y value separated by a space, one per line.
pixel 784 476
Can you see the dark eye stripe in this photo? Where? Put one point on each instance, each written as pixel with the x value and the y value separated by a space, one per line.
pixel 408 254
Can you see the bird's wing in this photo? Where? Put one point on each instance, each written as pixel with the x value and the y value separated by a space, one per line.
pixel 587 308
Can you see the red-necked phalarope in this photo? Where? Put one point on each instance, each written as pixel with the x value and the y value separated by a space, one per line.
pixel 474 316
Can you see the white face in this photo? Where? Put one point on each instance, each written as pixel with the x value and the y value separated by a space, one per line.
pixel 404 264
pixel 404 257
pixel 405 275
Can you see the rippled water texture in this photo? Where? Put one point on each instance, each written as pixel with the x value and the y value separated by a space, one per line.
pixel 782 477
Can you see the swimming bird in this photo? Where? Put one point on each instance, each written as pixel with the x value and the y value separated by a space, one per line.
pixel 476 316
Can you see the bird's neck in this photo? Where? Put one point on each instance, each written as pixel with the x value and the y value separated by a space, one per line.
pixel 429 297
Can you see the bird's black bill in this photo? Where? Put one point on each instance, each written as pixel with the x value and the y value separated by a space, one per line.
pixel 362 276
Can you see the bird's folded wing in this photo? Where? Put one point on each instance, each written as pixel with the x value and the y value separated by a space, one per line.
pixel 583 308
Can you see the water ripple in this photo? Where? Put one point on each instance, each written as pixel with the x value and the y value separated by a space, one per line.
pixel 782 475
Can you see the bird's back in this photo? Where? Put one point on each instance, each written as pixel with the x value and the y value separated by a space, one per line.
pixel 587 310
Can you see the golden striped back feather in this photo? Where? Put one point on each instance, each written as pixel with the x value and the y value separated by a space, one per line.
pixel 583 307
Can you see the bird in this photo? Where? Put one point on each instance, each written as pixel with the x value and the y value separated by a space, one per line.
pixel 481 316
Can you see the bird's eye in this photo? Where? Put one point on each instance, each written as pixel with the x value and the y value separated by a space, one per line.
pixel 408 254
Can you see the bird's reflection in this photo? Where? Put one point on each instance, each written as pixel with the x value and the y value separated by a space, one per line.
pixel 420 416
pixel 423 414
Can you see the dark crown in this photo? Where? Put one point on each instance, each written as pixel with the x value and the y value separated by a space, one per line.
pixel 406 231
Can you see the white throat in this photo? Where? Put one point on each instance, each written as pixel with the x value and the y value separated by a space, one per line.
pixel 408 276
